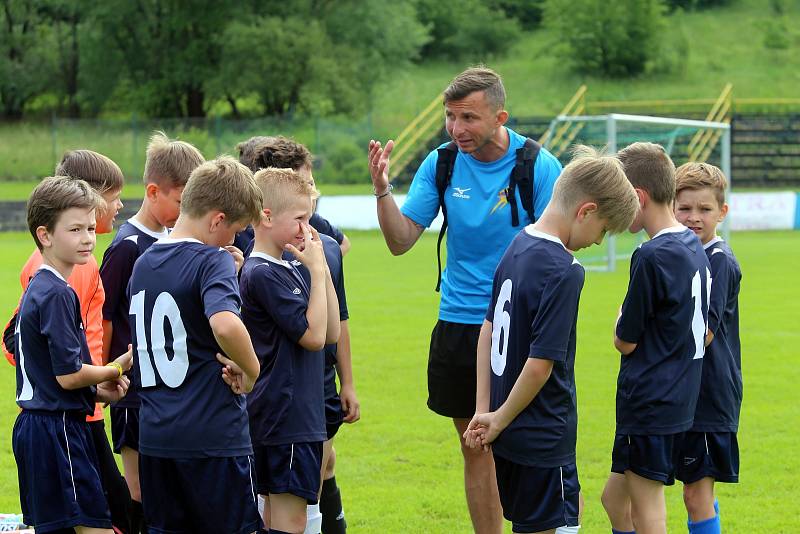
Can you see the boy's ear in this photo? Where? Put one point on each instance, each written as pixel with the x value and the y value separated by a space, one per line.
pixel 217 218
pixel 723 211
pixel 644 197
pixel 43 236
pixel 585 209
pixel 151 191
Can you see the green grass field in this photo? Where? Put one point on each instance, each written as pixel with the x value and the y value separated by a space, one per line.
pixel 400 468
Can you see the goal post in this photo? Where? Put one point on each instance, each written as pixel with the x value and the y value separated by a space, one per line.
pixel 683 139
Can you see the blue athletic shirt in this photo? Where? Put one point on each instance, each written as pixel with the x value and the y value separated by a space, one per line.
pixel 720 397
pixel 534 311
pixel 187 411
pixel 132 239
pixel 286 404
pixel 333 255
pixel 479 221
pixel 51 342
pixel 665 313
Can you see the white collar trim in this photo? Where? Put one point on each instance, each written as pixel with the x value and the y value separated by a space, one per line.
pixel 145 230
pixel 175 241
pixel 265 256
pixel 531 231
pixel 44 267
pixel 716 239
pixel 671 230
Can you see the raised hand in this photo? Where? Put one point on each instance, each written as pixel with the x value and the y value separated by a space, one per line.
pixel 312 255
pixel 379 165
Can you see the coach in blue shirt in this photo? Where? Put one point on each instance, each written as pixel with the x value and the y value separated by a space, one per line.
pixel 479 230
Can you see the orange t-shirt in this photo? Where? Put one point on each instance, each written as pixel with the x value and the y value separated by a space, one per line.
pixel 85 280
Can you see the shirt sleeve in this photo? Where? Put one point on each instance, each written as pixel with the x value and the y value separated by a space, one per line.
pixel 286 308
pixel 115 272
pixel 58 315
pixel 219 286
pixel 422 201
pixel 323 226
pixel 546 171
pixel 638 305
pixel 721 278
pixel 338 284
pixel 557 309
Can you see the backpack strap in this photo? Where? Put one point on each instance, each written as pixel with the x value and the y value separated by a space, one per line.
pixel 444 172
pixel 522 177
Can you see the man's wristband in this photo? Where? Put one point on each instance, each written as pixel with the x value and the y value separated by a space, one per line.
pixel 116 366
pixel 385 193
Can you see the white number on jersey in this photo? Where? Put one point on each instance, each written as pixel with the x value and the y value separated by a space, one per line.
pixel 699 326
pixel 172 372
pixel 500 326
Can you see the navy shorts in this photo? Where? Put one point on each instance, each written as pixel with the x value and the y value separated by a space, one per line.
pixel 59 481
pixel 709 454
pixel 650 457
pixel 199 495
pixel 537 498
pixel 125 428
pixel 334 415
pixel 452 369
pixel 293 468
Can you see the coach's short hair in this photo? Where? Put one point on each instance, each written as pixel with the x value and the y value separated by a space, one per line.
pixel 55 195
pixel 281 187
pixel 594 177
pixel 262 152
pixel 225 185
pixel 102 174
pixel 649 167
pixel 694 175
pixel 170 162
pixel 478 78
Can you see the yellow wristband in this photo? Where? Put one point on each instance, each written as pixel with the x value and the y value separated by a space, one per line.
pixel 116 366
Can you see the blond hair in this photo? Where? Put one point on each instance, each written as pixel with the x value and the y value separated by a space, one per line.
pixel 594 177
pixel 97 170
pixel 649 167
pixel 477 78
pixel 282 187
pixel 225 185
pixel 695 175
pixel 55 195
pixel 170 162
pixel 262 152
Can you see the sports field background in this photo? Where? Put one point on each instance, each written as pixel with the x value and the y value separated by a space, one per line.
pixel 399 467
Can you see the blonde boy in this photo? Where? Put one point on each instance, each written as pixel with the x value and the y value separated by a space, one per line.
pixel 526 404
pixel 184 313
pixel 660 334
pixel 167 168
pixel 290 322
pixel 710 450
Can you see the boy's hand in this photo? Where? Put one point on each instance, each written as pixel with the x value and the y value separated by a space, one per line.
pixel 350 404
pixel 483 429
pixel 238 256
pixel 312 255
pixel 233 375
pixel 112 390
pixel 126 360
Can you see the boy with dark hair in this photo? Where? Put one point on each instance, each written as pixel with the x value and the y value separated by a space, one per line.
pixel 57 385
pixel 291 321
pixel 526 405
pixel 195 463
pixel 710 450
pixel 660 333
pixel 167 168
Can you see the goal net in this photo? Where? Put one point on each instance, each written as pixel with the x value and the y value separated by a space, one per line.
pixel 684 140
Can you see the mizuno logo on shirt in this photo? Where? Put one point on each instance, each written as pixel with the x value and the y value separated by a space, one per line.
pixel 296 291
pixel 461 193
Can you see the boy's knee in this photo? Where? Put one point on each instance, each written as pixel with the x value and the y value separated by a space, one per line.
pixel 330 467
pixel 695 499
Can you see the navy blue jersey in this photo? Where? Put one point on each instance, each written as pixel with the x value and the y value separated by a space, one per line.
pixel 187 411
pixel 131 241
pixel 286 404
pixel 244 240
pixel 533 311
pixel 721 387
pixel 333 255
pixel 665 313
pixel 51 342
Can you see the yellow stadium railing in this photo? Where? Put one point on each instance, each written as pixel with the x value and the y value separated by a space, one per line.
pixel 560 138
pixel 418 131
pixel 704 141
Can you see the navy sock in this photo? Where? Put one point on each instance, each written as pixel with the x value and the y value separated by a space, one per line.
pixel 330 506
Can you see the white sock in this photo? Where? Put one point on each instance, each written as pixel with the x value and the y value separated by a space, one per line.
pixel 567 530
pixel 313 519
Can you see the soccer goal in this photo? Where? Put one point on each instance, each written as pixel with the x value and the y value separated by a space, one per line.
pixel 684 140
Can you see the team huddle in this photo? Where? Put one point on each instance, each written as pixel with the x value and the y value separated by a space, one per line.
pixel 217 322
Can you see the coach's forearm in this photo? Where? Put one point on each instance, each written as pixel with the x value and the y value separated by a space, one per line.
pixel 399 232
pixel 483 356
pixel 534 375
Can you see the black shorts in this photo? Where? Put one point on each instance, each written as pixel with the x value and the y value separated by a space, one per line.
pixel 709 454
pixel 125 428
pixel 451 369
pixel 537 498
pixel 334 415
pixel 294 468
pixel 199 495
pixel 650 457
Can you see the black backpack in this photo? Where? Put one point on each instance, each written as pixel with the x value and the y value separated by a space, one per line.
pixel 521 176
